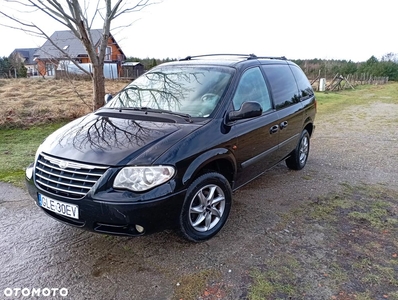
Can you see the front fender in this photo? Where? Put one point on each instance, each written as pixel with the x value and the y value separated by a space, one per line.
pixel 209 157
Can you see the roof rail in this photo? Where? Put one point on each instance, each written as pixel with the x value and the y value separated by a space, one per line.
pixel 248 56
pixel 269 57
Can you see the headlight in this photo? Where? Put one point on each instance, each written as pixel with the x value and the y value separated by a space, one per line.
pixel 140 179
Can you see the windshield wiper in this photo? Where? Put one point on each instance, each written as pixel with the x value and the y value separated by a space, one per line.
pixel 160 111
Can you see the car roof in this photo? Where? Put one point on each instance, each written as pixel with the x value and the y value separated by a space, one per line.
pixel 231 60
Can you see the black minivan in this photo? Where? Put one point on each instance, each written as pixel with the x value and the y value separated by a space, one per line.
pixel 171 147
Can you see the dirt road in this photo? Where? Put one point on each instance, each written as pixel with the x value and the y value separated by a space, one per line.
pixel 312 234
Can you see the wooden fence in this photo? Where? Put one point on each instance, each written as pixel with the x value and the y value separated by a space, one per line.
pixel 340 82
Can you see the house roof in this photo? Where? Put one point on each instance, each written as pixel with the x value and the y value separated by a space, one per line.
pixel 67 41
pixel 27 54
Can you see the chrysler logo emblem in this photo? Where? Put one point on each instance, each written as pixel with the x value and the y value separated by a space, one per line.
pixel 63 164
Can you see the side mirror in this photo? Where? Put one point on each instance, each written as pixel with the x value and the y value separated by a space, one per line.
pixel 247 110
pixel 108 97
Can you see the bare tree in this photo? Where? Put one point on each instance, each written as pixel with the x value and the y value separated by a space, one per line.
pixel 79 19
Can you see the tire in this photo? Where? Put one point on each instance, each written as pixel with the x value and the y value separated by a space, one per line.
pixel 201 216
pixel 299 156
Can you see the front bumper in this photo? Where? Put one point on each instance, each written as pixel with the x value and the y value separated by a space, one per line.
pixel 113 212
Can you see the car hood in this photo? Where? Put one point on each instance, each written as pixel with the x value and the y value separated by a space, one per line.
pixel 115 139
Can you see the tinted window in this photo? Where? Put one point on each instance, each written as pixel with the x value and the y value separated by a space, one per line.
pixel 304 85
pixel 192 90
pixel 252 87
pixel 283 85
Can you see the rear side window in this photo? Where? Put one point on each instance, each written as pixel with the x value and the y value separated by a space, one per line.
pixel 304 85
pixel 283 85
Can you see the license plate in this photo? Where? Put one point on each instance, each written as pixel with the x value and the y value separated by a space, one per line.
pixel 59 207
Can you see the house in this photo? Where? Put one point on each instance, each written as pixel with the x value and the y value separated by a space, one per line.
pixel 49 56
pixel 132 70
pixel 25 56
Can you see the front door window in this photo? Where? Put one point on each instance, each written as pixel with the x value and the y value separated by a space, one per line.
pixel 252 87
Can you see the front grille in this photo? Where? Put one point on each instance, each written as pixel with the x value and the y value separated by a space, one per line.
pixel 66 178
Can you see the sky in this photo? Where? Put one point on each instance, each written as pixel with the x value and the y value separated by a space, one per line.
pixel 302 29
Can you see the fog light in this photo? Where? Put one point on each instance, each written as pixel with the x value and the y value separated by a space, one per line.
pixel 29 172
pixel 139 228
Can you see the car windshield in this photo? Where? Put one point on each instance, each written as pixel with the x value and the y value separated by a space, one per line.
pixel 191 90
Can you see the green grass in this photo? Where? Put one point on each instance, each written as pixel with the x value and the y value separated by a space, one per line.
pixel 18 148
pixel 332 102
pixel 375 215
pixel 278 278
pixel 192 285
pixel 261 288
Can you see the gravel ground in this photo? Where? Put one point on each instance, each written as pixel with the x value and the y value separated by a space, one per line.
pixel 274 245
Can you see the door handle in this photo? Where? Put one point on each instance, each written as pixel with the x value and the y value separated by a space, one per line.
pixel 283 124
pixel 274 129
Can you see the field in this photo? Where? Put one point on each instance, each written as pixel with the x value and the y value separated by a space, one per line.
pixel 28 102
pixel 329 231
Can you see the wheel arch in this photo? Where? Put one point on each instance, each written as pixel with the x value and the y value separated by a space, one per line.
pixel 309 126
pixel 219 160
